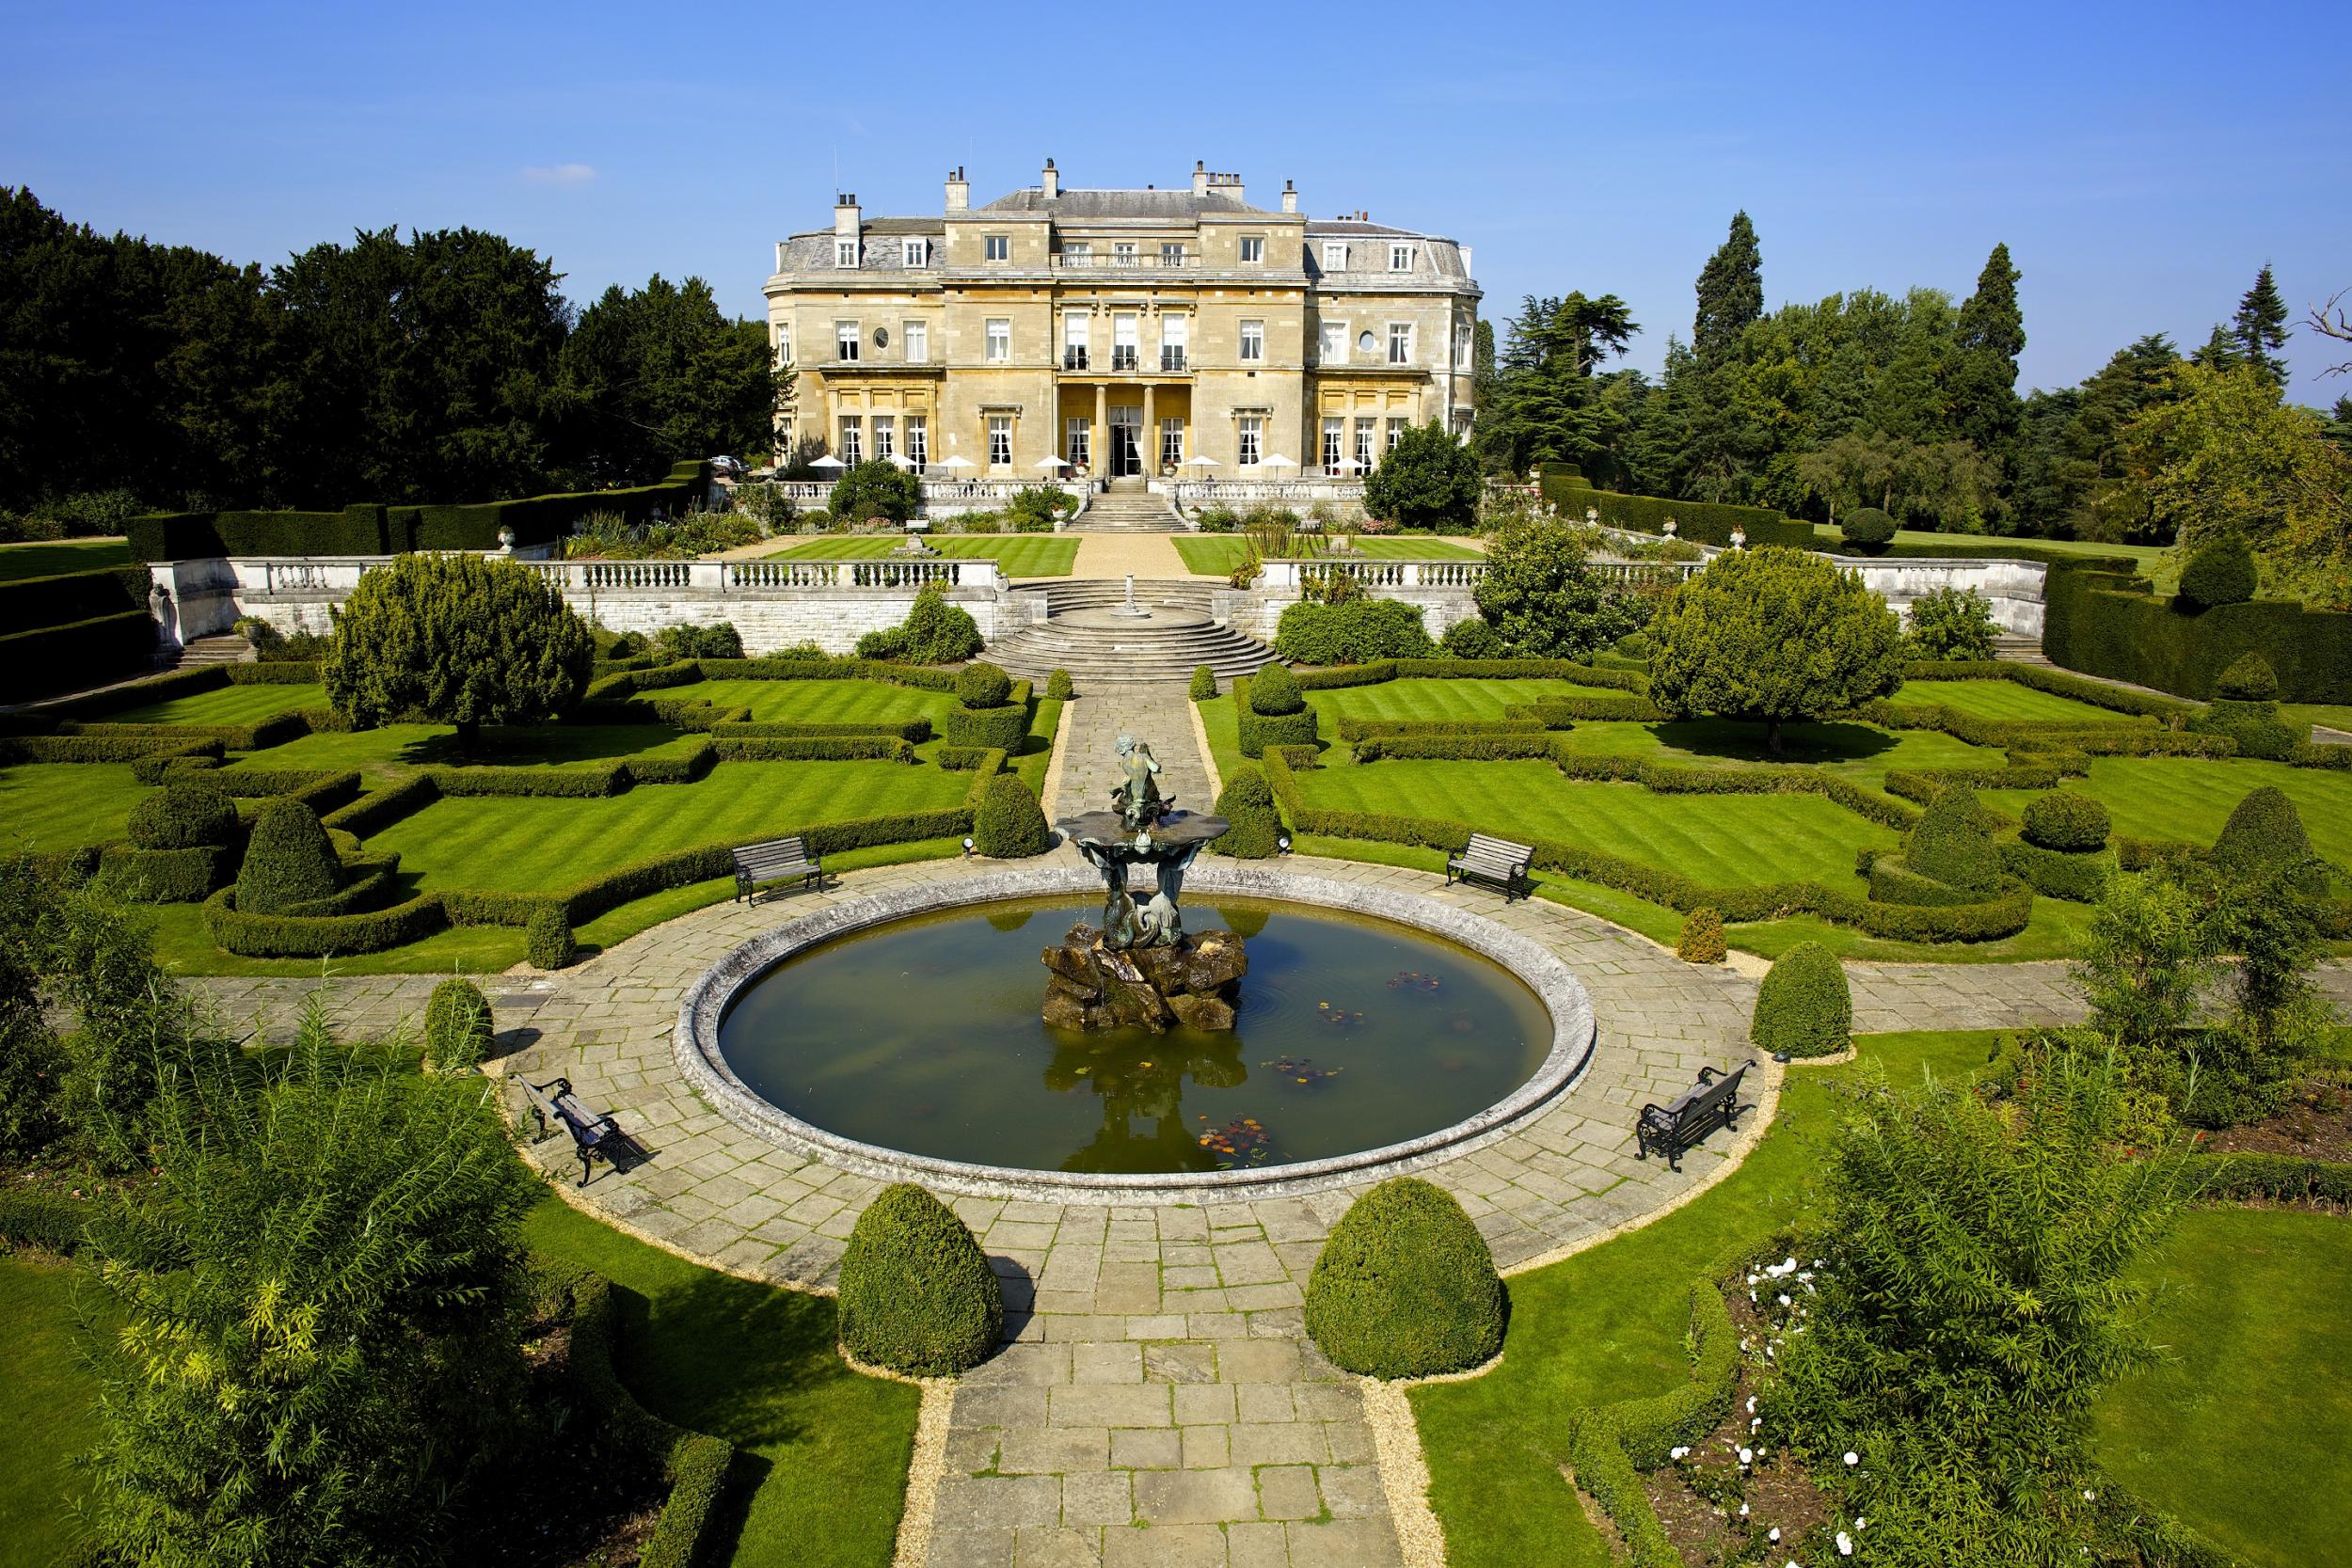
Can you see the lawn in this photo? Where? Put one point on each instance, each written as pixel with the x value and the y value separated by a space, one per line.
pixel 2336 716
pixel 225 705
pixel 1018 555
pixel 2241 1429
pixel 820 702
pixel 53 558
pixel 2003 700
pixel 2146 556
pixel 45 1419
pixel 2186 800
pixel 1443 699
pixel 526 844
pixel 1215 555
pixel 52 807
pixel 823 1449
pixel 392 750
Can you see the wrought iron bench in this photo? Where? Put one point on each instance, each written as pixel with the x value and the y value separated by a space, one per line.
pixel 1712 1102
pixel 778 860
pixel 594 1134
pixel 1498 860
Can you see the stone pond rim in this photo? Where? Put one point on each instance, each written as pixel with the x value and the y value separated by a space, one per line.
pixel 695 1041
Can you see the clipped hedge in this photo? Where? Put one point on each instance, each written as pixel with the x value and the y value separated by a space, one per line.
pixel 1352 729
pixel 916 1294
pixel 1312 632
pixel 1274 692
pixel 43 1217
pixel 1005 726
pixel 547 941
pixel 2219 573
pixel 1294 726
pixel 1609 1446
pixel 457 1028
pixel 2079 876
pixel 32 603
pixel 1488 747
pixel 1381 671
pixel 1951 847
pixel 75 653
pixel 2265 833
pixel 285 935
pixel 288 860
pixel 2099 618
pixel 1010 824
pixel 2274 1177
pixel 1203 685
pixel 1701 941
pixel 1406 1286
pixel 1804 1008
pixel 189 811
pixel 2066 821
pixel 982 684
pixel 1708 522
pixel 1246 802
pixel 166 875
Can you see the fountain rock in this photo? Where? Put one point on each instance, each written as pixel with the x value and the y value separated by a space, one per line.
pixel 1194 983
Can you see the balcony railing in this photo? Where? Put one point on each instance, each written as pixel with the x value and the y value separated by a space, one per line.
pixel 1073 358
pixel 1123 357
pixel 1095 260
pixel 1172 360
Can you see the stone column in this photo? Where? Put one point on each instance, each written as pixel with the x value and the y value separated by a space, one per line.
pixel 1151 430
pixel 1098 439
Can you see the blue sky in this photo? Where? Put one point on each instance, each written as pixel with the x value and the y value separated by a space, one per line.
pixel 2141 161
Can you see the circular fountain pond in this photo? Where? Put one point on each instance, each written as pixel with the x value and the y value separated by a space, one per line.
pixel 913 1044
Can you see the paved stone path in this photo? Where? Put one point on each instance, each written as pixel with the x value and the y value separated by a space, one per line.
pixel 1159 714
pixel 1113 553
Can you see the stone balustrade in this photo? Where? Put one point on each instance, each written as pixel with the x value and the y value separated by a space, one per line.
pixel 1289 577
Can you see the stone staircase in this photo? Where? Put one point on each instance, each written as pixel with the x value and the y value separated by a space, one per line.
pixel 1128 512
pixel 224 649
pixel 1089 634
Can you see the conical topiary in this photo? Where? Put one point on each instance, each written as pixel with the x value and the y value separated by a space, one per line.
pixel 1405 1287
pixel 2263 834
pixel 917 1296
pixel 1805 1006
pixel 1247 804
pixel 458 1029
pixel 288 860
pixel 1009 823
pixel 2250 678
pixel 1950 845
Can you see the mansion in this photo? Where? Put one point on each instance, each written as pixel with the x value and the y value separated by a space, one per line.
pixel 1178 333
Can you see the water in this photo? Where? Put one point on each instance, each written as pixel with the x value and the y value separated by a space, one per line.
pixel 924 1036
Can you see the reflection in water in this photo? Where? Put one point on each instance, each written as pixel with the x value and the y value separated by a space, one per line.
pixel 1143 1082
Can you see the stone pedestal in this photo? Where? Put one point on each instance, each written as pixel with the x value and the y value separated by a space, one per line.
pixel 1195 983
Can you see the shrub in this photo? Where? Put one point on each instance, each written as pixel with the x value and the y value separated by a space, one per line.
pixel 2057 874
pixel 2065 820
pixel 1246 802
pixel 876 489
pixel 2220 573
pixel 1274 691
pixel 1216 519
pixel 1009 823
pixel 1472 639
pixel 289 861
pixel 2250 678
pixel 1003 726
pixel 934 632
pixel 457 1027
pixel 982 685
pixel 1702 939
pixel 717 641
pixel 1543 600
pixel 1405 1287
pixel 190 812
pixel 548 940
pixel 1352 632
pixel 2265 833
pixel 1203 683
pixel 1057 686
pixel 1427 480
pixel 1804 1008
pixel 1869 528
pixel 1035 508
pixel 1952 623
pixel 917 1296
pixel 1951 846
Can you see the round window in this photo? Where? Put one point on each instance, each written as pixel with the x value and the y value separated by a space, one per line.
pixel 1366 343
pixel 882 337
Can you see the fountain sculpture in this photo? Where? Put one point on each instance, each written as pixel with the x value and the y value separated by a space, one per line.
pixel 1140 968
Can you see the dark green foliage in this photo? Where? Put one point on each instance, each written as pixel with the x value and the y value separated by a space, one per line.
pixel 1274 690
pixel 1002 726
pixel 934 632
pixel 1803 1009
pixel 1035 508
pixel 288 862
pixel 2099 622
pixel 457 1027
pixel 548 942
pixel 2259 331
pixel 1246 801
pixel 2250 678
pixel 1292 724
pixel 1982 381
pixel 40 1217
pixel 1607 1444
pixel 1009 823
pixel 719 640
pixel 876 489
pixel 1405 1287
pixel 1867 527
pixel 341 1246
pixel 462 640
pixel 1542 599
pixel 2220 573
pixel 32 1062
pixel 1057 686
pixel 2066 820
pixel 1427 480
pixel 1352 632
pixel 667 375
pixel 917 1296
pixel 1951 846
pixel 2265 833
pixel 1731 293
pixel 981 685
pixel 1473 639
pixel 79 653
pixel 190 812
pixel 1706 522
pixel 165 875
pixel 1952 623
pixel 2081 877
pixel 1203 683
pixel 1701 938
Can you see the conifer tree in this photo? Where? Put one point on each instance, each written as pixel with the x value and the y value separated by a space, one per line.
pixel 2260 328
pixel 1730 291
pixel 1984 379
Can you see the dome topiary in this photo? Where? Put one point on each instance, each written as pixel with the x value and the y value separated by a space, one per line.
pixel 982 685
pixel 1869 527
pixel 1057 686
pixel 1702 939
pixel 1951 846
pixel 548 940
pixel 1203 683
pixel 2265 833
pixel 1406 1286
pixel 458 1029
pixel 1247 802
pixel 2066 821
pixel 1274 691
pixel 917 1296
pixel 1472 639
pixel 1008 823
pixel 2219 573
pixel 2250 678
pixel 1804 1008
pixel 288 860
pixel 190 812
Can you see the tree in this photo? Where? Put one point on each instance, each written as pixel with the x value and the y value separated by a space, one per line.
pixel 1542 598
pixel 1947 485
pixel 1731 293
pixel 2220 351
pixel 2260 329
pixel 459 638
pixel 1772 634
pixel 876 489
pixel 1991 333
pixel 1428 480
pixel 657 373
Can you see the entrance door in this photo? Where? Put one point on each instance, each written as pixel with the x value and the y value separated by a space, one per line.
pixel 1126 454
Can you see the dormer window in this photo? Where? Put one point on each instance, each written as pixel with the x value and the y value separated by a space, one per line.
pixel 1400 258
pixel 1253 250
pixel 917 253
pixel 845 253
pixel 1334 256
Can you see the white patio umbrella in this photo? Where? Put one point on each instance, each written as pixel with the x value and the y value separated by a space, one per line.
pixel 1277 461
pixel 1347 465
pixel 1203 462
pixel 955 463
pixel 1051 463
pixel 828 460
pixel 898 461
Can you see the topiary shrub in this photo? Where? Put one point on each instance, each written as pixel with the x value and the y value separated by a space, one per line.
pixel 1406 1286
pixel 2219 573
pixel 1274 691
pixel 1472 639
pixel 2245 709
pixel 1702 939
pixel 2250 678
pixel 982 685
pixel 1057 686
pixel 458 1029
pixel 548 940
pixel 1009 823
pixel 2066 821
pixel 1950 845
pixel 288 860
pixel 1247 804
pixel 1203 683
pixel 917 1296
pixel 1804 1008
pixel 2263 834
pixel 190 812
pixel 1868 529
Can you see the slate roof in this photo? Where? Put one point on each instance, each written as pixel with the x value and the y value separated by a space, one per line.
pixel 1082 206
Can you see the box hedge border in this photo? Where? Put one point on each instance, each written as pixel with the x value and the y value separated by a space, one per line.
pixel 52 658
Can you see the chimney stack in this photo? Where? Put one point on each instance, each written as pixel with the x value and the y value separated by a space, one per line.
pixel 1200 177
pixel 845 225
pixel 1052 180
pixel 1290 196
pixel 779 255
pixel 958 193
pixel 1223 184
